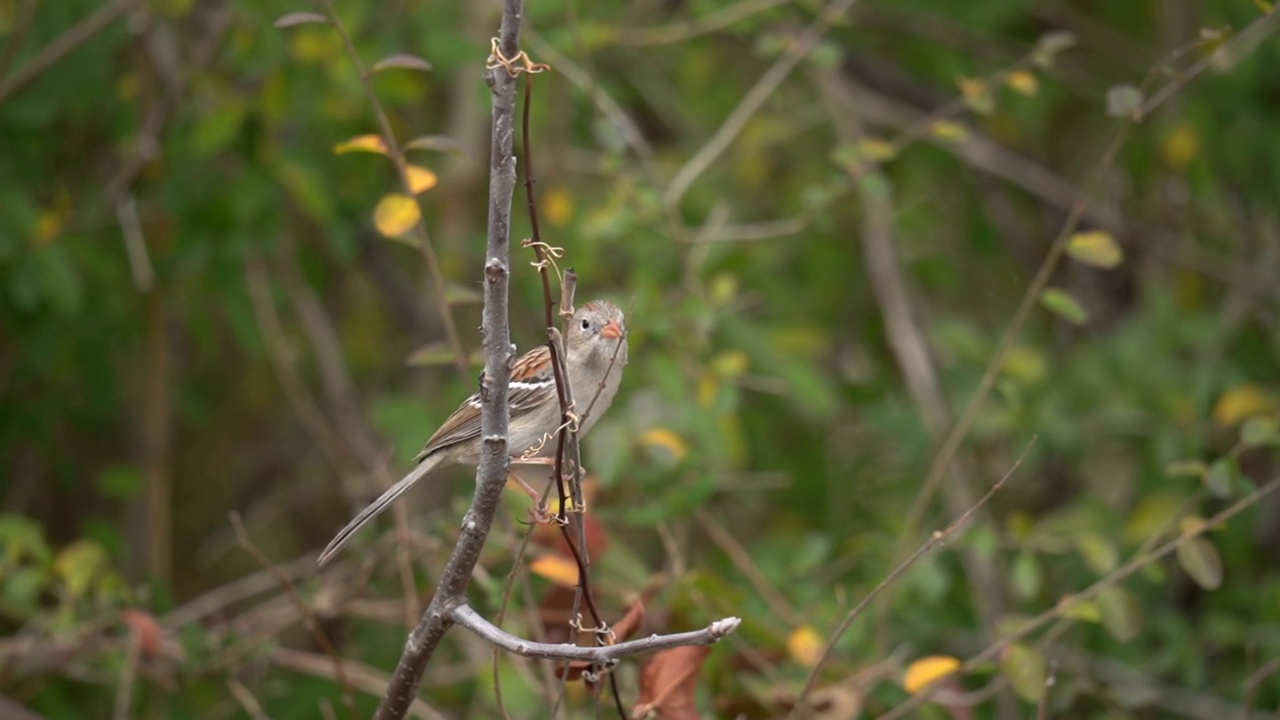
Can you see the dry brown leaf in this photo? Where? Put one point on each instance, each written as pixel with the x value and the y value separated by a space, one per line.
pixel 669 681
pixel 144 625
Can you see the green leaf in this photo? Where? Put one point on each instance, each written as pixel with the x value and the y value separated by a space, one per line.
pixel 1218 479
pixel 22 538
pixel 294 19
pixel 1096 248
pixel 438 143
pixel 1064 306
pixel 57 279
pixel 977 95
pixel 1201 561
pixel 79 565
pixel 1186 468
pixel 1086 611
pixel 1025 577
pixel 1123 100
pixel 1099 553
pixel 20 593
pixel 1258 431
pixel 215 129
pixel 120 481
pixel 1121 613
pixel 1024 666
pixel 1050 45
pixel 402 61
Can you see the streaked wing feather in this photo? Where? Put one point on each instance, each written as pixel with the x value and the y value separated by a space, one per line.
pixel 530 379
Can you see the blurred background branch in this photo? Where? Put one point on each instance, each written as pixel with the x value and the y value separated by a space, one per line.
pixel 829 223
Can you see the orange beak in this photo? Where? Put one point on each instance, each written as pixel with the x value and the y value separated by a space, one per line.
pixel 612 330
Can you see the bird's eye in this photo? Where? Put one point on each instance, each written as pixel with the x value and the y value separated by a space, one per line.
pixel 586 324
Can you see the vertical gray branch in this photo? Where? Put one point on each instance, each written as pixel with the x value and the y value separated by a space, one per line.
pixel 495 413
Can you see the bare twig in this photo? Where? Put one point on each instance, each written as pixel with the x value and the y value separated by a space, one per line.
pixel 1071 602
pixel 785 611
pixel 323 436
pixel 600 656
pixel 1254 681
pixel 610 108
pixel 910 347
pixel 936 539
pixel 239 590
pixel 499 354
pixel 135 244
pixel 363 678
pixel 63 45
pixel 1042 708
pixel 960 430
pixel 751 102
pixel 396 153
pixel 128 675
pixel 517 568
pixel 344 407
pixel 309 619
pixel 566 434
pixel 690 29
pixel 251 706
pixel 17 35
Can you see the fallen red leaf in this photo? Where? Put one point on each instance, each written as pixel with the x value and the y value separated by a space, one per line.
pixel 668 683
pixel 144 626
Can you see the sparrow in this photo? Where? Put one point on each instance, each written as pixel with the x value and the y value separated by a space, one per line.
pixel 595 354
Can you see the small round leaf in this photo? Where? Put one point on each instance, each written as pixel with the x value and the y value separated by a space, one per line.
pixel 1201 561
pixel 300 18
pixel 1096 248
pixel 1064 306
pixel 402 61
pixel 396 215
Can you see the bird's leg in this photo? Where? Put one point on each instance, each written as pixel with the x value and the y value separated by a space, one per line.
pixel 576 504
pixel 539 511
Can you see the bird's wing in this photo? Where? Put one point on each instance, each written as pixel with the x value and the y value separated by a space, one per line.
pixel 532 384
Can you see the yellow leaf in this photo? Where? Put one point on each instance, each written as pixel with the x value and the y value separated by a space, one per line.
pixel 557 206
pixel 1180 146
pixel 1096 248
pixel 804 645
pixel 315 45
pixel 1026 364
pixel 707 390
pixel 48 227
pixel 977 95
pixel 1086 611
pixel 876 149
pixel 362 143
pixel 730 363
pixel 1265 6
pixel 1243 401
pixel 420 178
pixel 664 438
pixel 948 130
pixel 79 565
pixel 1152 515
pixel 556 568
pixel 1191 525
pixel 396 215
pixel 128 86
pixel 927 670
pixel 1023 82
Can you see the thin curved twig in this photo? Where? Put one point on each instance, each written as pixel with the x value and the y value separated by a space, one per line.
pixel 600 656
pixel 396 153
pixel 936 539
pixel 800 48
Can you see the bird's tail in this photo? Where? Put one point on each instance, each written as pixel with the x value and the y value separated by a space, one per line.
pixel 376 507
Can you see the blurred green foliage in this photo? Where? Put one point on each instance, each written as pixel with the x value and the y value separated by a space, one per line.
pixel 147 177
